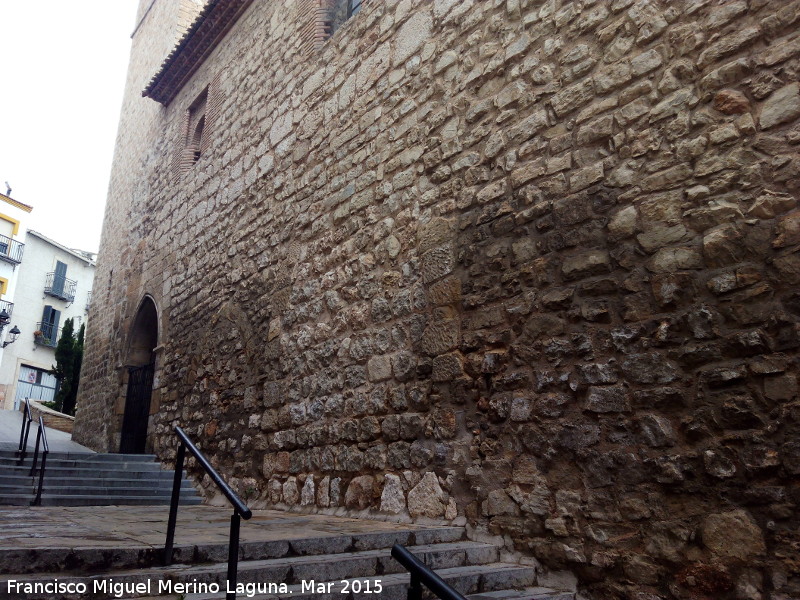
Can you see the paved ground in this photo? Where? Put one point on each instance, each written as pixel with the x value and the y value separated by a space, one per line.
pixel 10 423
pixel 64 527
pixel 145 526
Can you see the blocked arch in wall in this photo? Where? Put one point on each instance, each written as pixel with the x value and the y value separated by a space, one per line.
pixel 140 362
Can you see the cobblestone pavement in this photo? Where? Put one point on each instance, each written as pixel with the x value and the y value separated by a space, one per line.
pixel 145 526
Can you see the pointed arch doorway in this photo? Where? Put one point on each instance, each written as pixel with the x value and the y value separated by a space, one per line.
pixel 141 371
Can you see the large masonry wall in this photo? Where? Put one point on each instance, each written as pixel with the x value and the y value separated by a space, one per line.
pixel 526 265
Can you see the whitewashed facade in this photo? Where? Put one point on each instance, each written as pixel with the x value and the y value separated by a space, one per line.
pixel 53 283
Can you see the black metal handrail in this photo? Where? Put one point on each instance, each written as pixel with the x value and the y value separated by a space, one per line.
pixel 420 574
pixel 239 508
pixel 41 436
pixel 24 431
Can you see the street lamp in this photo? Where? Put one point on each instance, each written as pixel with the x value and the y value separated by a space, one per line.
pixel 5 319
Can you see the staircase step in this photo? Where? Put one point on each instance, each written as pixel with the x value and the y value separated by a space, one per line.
pixel 128 471
pixel 100 457
pixel 89 482
pixel 95 490
pixel 93 461
pixel 532 593
pixel 331 567
pixel 102 559
pixel 94 500
pixel 467 580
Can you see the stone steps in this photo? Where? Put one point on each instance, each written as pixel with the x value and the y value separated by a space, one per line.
pixel 84 479
pixel 471 567
pixel 78 483
pixel 472 579
pixel 529 593
pixel 98 499
pixel 101 559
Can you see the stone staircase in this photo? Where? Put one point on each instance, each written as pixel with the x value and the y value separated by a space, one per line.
pixel 83 479
pixel 342 566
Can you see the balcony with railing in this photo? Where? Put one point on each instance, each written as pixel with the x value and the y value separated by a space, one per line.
pixel 46 335
pixel 7 306
pixel 11 250
pixel 60 287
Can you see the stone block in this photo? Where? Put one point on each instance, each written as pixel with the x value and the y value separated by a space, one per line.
pixel 447 367
pixel 360 491
pixel 440 337
pixel 572 97
pixel 790 457
pixel 411 36
pixel 291 495
pixel 437 263
pixel 717 213
pixel 782 106
pixel 583 178
pixel 600 128
pixel 606 399
pixel 499 503
pixel 623 224
pixel 436 232
pixel 787 230
pixel 733 534
pixel 393 498
pixel 661 236
pixel 669 260
pixel 656 431
pixel 307 494
pixel 379 368
pixel 676 102
pixel 780 388
pixel 646 62
pixel 731 102
pixel 527 172
pixel 612 77
pixel 586 264
pixel 426 499
pixel 723 246
pixel 769 204
pixel 729 44
pixel 672 177
pixel 649 368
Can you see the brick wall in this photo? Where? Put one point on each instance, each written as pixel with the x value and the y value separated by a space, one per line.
pixel 525 265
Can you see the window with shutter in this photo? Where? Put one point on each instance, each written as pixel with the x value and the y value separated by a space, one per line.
pixel 49 325
pixel 59 278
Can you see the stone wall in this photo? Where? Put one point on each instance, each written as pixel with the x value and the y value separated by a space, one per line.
pixel 526 265
pixel 52 419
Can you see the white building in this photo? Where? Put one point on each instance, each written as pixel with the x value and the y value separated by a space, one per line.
pixel 53 284
pixel 13 215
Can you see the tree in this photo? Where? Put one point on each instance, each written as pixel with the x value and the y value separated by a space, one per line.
pixel 69 357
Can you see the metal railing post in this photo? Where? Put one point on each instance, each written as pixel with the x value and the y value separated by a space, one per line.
pixel 38 500
pixel 24 432
pixel 240 510
pixel 41 436
pixel 423 575
pixel 173 506
pixel 415 588
pixel 233 556
pixel 36 453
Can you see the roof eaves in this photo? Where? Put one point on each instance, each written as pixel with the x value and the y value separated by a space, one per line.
pixel 203 35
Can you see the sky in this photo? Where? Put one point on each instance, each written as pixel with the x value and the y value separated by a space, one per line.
pixel 62 76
